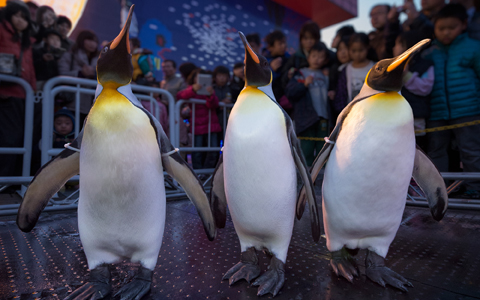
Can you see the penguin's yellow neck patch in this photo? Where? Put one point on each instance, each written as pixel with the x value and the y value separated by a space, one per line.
pixel 388 106
pixel 112 111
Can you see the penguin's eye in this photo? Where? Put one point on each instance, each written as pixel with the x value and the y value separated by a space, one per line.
pixel 379 69
pixel 105 50
pixel 265 63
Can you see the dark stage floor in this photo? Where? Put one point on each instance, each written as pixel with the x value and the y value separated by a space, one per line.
pixel 440 259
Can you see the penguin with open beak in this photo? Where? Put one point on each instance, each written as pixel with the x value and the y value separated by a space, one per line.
pixel 256 177
pixel 120 155
pixel 370 157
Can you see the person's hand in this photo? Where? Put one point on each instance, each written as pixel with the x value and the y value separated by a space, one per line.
pixel 394 13
pixel 210 90
pixel 48 57
pixel 331 95
pixel 290 73
pixel 276 63
pixel 196 87
pixel 410 9
pixel 227 100
pixel 88 71
pixel 308 80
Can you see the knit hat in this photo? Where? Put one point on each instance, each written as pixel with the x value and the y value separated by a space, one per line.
pixel 64 112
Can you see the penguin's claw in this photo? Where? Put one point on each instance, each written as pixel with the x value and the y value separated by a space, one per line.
pixel 247 268
pixel 273 280
pixel 97 288
pixel 343 264
pixel 135 290
pixel 379 273
pixel 138 287
pixel 240 271
pixel 383 275
pixel 90 291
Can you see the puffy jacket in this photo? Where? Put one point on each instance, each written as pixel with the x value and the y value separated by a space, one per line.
pixel 304 113
pixel 201 111
pixel 456 91
pixel 7 45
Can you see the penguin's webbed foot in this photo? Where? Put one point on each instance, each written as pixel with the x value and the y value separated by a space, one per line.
pixel 138 287
pixel 97 288
pixel 344 264
pixel 379 273
pixel 247 268
pixel 272 280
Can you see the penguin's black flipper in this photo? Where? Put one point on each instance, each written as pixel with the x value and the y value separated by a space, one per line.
pixel 307 180
pixel 218 199
pixel 428 178
pixel 48 180
pixel 184 175
pixel 323 155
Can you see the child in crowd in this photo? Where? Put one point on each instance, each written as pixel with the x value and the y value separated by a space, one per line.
pixel 64 25
pixel 63 128
pixel 238 80
pixel 351 79
pixel 342 60
pixel 456 93
pixel 277 56
pixel 201 160
pixel 142 63
pixel 221 77
pixel 45 59
pixel 308 92
pixel 418 83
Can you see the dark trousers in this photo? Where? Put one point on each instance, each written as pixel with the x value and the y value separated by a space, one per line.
pixel 205 160
pixel 12 123
pixel 311 148
pixel 468 140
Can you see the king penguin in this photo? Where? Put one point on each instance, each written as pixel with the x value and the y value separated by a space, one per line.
pixel 120 155
pixel 256 177
pixel 371 157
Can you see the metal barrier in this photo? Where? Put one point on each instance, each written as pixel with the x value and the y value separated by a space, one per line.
pixel 26 150
pixel 85 86
pixel 194 102
pixel 420 200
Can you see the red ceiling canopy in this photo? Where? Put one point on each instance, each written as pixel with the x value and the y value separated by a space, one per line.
pixel 323 12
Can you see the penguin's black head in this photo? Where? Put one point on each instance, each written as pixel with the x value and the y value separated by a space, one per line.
pixel 387 74
pixel 257 68
pixel 114 66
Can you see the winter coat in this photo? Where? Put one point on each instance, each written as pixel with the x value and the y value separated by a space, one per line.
pixel 7 45
pixel 420 104
pixel 201 111
pixel 44 70
pixel 73 68
pixel 277 86
pixel 304 113
pixel 70 64
pixel 456 90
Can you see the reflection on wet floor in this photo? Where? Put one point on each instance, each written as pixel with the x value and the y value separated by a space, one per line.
pixel 440 259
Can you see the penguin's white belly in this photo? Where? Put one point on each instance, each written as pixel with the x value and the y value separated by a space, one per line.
pixel 367 175
pixel 122 195
pixel 259 174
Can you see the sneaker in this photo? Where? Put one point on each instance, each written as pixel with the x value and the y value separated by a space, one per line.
pixel 470 194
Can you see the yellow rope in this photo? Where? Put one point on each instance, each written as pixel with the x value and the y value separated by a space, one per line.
pixel 416 131
pixel 449 127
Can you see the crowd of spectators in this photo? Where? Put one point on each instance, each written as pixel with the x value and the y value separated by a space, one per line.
pixel 312 84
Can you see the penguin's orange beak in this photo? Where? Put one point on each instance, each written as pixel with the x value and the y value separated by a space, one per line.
pixel 122 38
